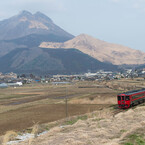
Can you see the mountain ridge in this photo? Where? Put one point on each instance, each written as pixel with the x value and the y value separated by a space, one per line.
pixel 101 50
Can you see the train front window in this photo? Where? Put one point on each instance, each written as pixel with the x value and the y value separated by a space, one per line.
pixel 127 98
pixel 123 97
pixel 119 98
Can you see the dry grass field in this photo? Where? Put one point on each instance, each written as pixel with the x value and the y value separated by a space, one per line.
pixel 101 128
pixel 22 107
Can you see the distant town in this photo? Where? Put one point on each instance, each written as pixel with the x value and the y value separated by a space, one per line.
pixel 14 80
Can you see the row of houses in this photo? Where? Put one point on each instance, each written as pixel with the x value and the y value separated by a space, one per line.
pixel 12 79
pixel 5 85
pixel 9 80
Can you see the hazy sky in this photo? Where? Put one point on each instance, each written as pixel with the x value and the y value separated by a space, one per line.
pixel 117 21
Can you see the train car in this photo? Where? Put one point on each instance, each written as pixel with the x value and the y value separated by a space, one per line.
pixel 131 98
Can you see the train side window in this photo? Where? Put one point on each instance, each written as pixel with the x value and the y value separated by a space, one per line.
pixel 127 98
pixel 137 96
pixel 119 98
pixel 123 97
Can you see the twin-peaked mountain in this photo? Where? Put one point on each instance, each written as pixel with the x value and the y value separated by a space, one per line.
pixel 25 24
pixel 29 30
pixel 32 43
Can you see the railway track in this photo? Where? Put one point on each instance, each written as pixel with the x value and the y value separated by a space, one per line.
pixel 118 111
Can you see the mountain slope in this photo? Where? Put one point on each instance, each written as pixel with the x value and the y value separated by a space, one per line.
pixel 29 30
pixel 101 50
pixel 6 47
pixel 52 61
pixel 36 39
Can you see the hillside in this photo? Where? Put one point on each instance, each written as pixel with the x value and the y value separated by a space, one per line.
pixel 26 37
pixel 101 128
pixel 29 30
pixel 53 61
pixel 20 37
pixel 101 50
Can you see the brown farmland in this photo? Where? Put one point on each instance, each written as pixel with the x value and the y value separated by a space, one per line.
pixel 22 107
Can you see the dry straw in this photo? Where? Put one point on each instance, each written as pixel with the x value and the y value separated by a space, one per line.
pixel 34 133
pixel 9 136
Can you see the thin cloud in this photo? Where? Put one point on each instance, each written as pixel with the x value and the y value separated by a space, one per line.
pixel 49 4
pixel 116 1
pixel 45 6
pixel 139 5
pixel 135 4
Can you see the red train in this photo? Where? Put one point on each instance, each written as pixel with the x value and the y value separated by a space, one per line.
pixel 131 98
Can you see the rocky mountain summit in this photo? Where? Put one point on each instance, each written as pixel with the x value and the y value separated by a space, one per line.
pixel 25 24
pixel 29 30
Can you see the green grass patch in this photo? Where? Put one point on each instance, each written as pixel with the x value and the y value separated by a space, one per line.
pixel 128 143
pixel 73 121
pixel 97 119
pixel 123 130
pixel 135 139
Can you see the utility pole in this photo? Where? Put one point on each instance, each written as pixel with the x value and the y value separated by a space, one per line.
pixel 66 105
